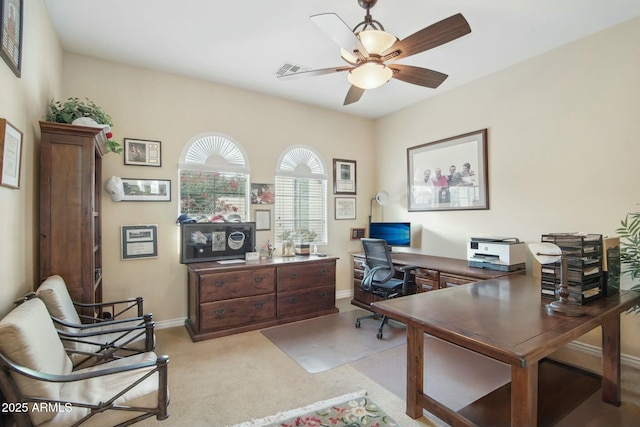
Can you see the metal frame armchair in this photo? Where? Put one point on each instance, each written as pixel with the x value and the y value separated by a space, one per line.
pixel 36 376
pixel 379 277
pixel 100 340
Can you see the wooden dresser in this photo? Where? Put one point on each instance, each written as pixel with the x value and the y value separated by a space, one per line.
pixel 225 299
pixel 433 273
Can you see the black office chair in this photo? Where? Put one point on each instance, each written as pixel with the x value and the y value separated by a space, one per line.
pixel 379 277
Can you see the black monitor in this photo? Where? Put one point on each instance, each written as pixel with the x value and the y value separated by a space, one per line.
pixel 395 233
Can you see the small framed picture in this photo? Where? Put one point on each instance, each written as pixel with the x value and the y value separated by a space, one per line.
pixel 146 190
pixel 139 241
pixel 357 233
pixel 263 219
pixel 262 194
pixel 345 207
pixel 141 152
pixel 11 34
pixel 10 154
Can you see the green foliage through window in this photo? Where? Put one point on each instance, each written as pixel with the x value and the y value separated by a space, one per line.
pixel 213 193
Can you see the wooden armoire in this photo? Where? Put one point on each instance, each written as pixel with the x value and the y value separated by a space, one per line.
pixel 70 202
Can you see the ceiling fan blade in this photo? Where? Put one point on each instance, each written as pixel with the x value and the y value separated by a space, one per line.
pixel 354 95
pixel 338 31
pixel 417 75
pixel 312 73
pixel 432 36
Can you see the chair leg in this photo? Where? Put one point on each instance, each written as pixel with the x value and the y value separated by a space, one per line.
pixel 385 319
pixel 376 316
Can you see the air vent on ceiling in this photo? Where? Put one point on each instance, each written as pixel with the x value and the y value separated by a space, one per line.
pixel 288 68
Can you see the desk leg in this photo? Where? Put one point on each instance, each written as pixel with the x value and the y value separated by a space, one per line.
pixel 611 359
pixel 415 370
pixel 524 395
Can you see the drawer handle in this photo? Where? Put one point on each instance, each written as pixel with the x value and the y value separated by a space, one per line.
pixel 323 294
pixel 293 300
pixel 259 305
pixel 324 271
pixel 219 283
pixel 258 279
pixel 219 312
pixel 293 275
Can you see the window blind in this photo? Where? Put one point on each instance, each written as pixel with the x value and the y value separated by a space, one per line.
pixel 301 209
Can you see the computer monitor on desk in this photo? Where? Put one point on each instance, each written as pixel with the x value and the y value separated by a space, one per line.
pixel 395 233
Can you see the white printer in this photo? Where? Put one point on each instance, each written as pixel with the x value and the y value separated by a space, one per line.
pixel 497 253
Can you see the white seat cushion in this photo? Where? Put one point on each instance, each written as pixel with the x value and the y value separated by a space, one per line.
pixel 103 388
pixel 28 338
pixel 53 292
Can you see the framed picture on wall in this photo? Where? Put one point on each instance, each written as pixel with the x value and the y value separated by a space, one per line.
pixel 146 190
pixel 11 12
pixel 345 207
pixel 139 241
pixel 344 176
pixel 10 154
pixel 449 174
pixel 141 152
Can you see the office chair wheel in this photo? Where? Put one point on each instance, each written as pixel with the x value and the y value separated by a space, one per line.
pixel 379 335
pixel 357 323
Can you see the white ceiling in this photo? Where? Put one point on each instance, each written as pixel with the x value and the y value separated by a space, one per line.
pixel 244 43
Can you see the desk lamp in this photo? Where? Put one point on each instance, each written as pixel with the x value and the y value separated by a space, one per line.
pixel 381 197
pixel 548 253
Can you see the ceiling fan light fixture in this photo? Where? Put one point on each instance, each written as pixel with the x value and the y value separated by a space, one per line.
pixel 376 41
pixel 348 56
pixel 370 75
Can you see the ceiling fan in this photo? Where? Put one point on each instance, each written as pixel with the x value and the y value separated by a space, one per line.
pixel 368 48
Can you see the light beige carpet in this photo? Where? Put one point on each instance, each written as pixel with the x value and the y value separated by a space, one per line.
pixel 323 343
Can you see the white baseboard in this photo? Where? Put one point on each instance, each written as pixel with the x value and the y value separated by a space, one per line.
pixel 164 324
pixel 595 351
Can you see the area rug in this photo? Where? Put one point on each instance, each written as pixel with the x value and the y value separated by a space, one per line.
pixel 325 342
pixel 349 410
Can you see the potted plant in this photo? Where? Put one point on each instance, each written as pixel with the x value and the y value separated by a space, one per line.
pixel 74 108
pixel 629 232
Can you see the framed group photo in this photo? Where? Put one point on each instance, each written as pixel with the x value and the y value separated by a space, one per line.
pixel 449 174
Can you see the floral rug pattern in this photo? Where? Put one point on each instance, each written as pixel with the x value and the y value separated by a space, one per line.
pixel 349 410
pixel 353 413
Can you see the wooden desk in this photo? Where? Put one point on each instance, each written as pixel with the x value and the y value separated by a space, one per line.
pixel 504 319
pixel 434 272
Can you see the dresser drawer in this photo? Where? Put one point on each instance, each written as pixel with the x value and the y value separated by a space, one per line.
pixel 235 284
pixel 305 276
pixel 306 301
pixel 236 312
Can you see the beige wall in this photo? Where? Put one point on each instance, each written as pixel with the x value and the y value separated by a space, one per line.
pixel 23 102
pixel 151 105
pixel 562 133
pixel 563 148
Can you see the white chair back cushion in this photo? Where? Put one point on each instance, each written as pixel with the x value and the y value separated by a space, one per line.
pixel 28 338
pixel 53 292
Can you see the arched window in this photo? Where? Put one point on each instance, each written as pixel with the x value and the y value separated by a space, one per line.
pixel 214 178
pixel 301 197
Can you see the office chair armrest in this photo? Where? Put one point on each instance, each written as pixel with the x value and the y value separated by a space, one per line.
pixel 406 279
pixel 408 268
